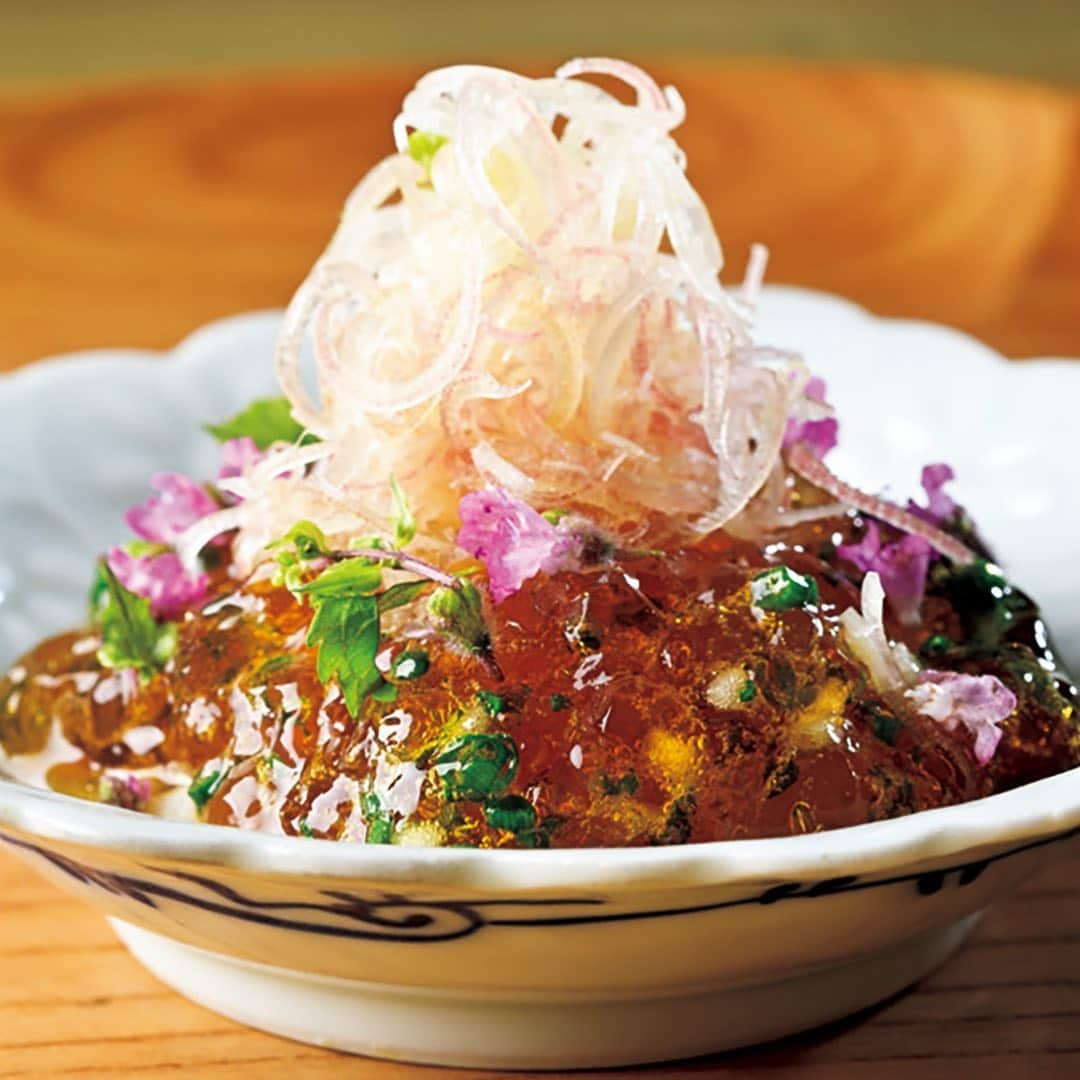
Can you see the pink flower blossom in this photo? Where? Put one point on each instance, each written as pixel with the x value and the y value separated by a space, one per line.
pixel 902 567
pixel 237 456
pixel 163 517
pixel 512 540
pixel 940 507
pixel 821 434
pixel 161 578
pixel 979 702
pixel 129 792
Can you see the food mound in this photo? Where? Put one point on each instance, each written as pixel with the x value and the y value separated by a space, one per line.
pixel 551 556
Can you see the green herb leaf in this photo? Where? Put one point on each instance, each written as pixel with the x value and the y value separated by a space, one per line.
pixel 130 636
pixel 203 787
pixel 265 422
pixel 935 645
pixel 411 664
pixel 459 613
pixel 345 630
pixel 475 767
pixel 404 592
pixel 423 146
pixel 884 725
pixel 98 595
pixel 559 702
pixel 512 812
pixel 376 542
pixel 1025 675
pixel 385 693
pixel 380 823
pixel 747 692
pixel 782 588
pixel 624 785
pixel 402 520
pixel 492 704
pixel 352 577
pixel 540 837
pixel 305 829
pixel 990 608
pixel 306 538
pixel 274 663
pixel 289 572
pixel 680 821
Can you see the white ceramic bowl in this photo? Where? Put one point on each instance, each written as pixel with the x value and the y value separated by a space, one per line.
pixel 542 959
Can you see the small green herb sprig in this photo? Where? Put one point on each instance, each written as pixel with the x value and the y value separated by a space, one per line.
pixel 130 636
pixel 348 596
pixel 423 146
pixel 781 589
pixel 265 422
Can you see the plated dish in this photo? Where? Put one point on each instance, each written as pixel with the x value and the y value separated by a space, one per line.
pixel 597 664
pixel 552 556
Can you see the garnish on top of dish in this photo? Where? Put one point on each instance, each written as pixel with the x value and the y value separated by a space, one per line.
pixel 551 556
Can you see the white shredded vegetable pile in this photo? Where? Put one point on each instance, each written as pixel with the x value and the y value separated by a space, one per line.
pixel 540 310
pixel 891 666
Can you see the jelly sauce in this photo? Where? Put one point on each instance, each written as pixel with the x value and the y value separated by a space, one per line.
pixel 648 701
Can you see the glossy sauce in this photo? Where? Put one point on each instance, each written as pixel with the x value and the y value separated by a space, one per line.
pixel 643 702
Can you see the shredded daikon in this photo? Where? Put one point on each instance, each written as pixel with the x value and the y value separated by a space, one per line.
pixel 506 314
pixel 891 666
pixel 810 468
pixel 535 304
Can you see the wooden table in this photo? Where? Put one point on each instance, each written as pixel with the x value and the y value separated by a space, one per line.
pixel 131 215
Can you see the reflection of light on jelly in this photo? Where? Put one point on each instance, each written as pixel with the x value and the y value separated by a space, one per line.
pixel 653 704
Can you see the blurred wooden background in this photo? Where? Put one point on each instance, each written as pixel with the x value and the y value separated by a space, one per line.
pixel 73 39
pixel 130 215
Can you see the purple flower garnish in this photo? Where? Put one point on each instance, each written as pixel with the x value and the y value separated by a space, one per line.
pixel 163 517
pixel 161 578
pixel 237 456
pixel 940 507
pixel 512 540
pixel 902 567
pixel 979 702
pixel 820 435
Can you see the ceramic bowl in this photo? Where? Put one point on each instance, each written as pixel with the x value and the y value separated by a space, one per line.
pixel 542 959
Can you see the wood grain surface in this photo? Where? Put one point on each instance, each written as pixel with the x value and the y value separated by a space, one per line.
pixel 131 215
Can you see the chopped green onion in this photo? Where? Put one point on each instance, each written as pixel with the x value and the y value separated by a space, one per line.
pixel 781 589
pixel 492 703
pixel 380 825
pixel 475 767
pixel 512 812
pixel 411 664
pixel 203 787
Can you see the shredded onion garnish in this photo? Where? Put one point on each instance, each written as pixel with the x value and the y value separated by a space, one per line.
pixel 810 468
pixel 505 311
pixel 526 296
pixel 891 667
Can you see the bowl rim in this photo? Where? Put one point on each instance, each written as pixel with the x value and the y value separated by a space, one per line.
pixel 1025 816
